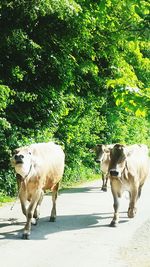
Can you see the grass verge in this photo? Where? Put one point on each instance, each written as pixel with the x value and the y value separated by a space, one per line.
pixel 5 199
pixel 71 179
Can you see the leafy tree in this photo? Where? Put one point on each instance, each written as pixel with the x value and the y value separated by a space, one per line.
pixel 76 72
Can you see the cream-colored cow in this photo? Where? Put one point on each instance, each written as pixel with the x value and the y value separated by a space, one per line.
pixel 38 167
pixel 128 168
pixel 103 158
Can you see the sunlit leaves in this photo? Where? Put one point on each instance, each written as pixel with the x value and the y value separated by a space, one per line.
pixel 17 73
pixel 4 96
pixel 63 8
pixel 26 97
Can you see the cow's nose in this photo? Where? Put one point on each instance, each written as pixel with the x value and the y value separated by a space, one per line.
pixel 114 173
pixel 97 160
pixel 18 157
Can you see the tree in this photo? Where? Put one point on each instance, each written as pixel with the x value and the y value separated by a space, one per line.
pixel 73 71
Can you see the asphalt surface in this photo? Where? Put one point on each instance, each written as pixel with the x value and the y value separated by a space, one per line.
pixel 81 236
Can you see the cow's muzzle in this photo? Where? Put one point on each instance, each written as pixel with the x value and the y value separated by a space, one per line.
pixel 18 158
pixel 114 173
pixel 98 160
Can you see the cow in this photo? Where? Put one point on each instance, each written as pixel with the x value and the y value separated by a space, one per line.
pixel 128 170
pixel 103 157
pixel 39 167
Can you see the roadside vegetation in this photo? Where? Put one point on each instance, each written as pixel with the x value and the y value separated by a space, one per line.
pixel 5 198
pixel 76 72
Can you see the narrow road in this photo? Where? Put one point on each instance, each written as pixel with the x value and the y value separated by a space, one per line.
pixel 81 236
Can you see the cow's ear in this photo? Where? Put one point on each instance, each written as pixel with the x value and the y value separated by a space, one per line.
pixel 110 151
pixel 126 173
pixel 15 151
pixel 92 149
pixel 127 152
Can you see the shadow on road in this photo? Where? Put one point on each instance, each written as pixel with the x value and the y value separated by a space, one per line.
pixel 45 228
pixel 86 189
pixel 12 228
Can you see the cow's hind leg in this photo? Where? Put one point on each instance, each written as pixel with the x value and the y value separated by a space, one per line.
pixel 54 198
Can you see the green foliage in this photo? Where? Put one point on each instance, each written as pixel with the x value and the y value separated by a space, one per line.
pixel 78 174
pixel 126 128
pixel 76 72
pixel 7 182
pixel 4 198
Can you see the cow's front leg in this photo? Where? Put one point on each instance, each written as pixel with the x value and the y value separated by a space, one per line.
pixel 34 201
pixel 133 200
pixel 23 201
pixel 104 181
pixel 116 195
pixel 37 209
pixel 115 219
pixel 54 198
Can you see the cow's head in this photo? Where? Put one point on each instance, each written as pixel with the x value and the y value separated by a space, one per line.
pixel 100 151
pixel 22 160
pixel 117 164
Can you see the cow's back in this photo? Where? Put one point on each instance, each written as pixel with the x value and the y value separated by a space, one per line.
pixel 48 159
pixel 138 163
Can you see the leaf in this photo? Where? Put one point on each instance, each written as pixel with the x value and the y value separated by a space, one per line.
pixel 140 113
pixel 138 11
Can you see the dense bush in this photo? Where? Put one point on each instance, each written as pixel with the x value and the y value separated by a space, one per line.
pixel 76 72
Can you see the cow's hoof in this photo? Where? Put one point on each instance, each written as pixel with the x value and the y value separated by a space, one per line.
pixel 52 219
pixel 34 221
pixel 104 189
pixel 131 213
pixel 113 224
pixel 25 236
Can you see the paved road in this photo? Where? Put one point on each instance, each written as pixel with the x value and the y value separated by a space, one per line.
pixel 81 236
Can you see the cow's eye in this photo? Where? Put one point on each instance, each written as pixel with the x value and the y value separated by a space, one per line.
pixel 122 158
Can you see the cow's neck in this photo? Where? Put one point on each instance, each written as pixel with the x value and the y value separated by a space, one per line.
pixel 24 172
pixel 106 157
pixel 29 172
